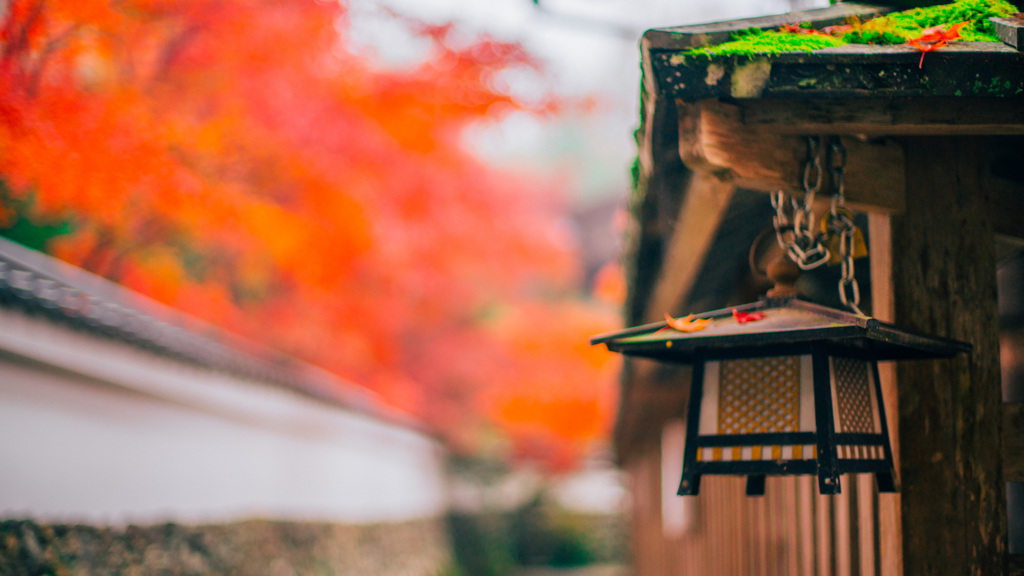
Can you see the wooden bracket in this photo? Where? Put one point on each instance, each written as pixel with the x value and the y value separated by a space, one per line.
pixel 713 139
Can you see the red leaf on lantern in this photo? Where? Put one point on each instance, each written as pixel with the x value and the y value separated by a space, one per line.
pixel 936 37
pixel 744 317
pixel 688 323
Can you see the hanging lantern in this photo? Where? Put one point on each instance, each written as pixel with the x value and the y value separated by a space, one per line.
pixel 783 387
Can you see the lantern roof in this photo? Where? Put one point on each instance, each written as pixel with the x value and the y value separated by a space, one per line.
pixel 775 323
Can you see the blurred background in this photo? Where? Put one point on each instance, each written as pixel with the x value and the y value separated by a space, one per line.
pixel 266 257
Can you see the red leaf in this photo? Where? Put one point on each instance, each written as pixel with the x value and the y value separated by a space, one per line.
pixel 797 29
pixel 836 30
pixel 744 317
pixel 936 37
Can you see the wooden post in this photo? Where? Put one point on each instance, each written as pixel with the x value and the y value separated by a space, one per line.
pixel 944 283
pixel 890 529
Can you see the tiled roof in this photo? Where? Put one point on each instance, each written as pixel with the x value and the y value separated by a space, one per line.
pixel 43 286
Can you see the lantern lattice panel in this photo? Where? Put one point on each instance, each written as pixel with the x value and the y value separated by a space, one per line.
pixel 853 395
pixel 758 395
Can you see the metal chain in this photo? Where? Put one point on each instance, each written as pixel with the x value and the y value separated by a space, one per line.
pixel 840 223
pixel 847 281
pixel 836 168
pixel 795 232
pixel 793 220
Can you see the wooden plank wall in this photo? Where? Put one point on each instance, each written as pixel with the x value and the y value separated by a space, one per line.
pixel 791 531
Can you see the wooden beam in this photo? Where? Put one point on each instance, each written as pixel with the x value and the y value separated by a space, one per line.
pixel 713 139
pixel 944 282
pixel 885 116
pixel 961 70
pixel 704 204
pixel 754 145
pixel 655 390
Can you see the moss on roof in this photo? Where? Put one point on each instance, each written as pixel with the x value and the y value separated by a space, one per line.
pixel 772 42
pixel 899 27
pixel 895 28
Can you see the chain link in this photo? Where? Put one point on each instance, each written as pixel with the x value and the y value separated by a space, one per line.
pixel 813 166
pixel 839 223
pixel 849 290
pixel 837 168
pixel 794 218
pixel 794 230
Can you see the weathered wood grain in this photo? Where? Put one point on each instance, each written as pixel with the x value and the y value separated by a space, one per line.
pixel 713 139
pixel 959 70
pixel 885 116
pixel 944 274
pixel 1010 31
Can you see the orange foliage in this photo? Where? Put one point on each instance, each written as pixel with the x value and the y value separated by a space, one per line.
pixel 560 393
pixel 610 284
pixel 230 158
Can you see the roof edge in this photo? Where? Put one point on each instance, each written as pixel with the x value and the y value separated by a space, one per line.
pixel 691 36
pixel 42 285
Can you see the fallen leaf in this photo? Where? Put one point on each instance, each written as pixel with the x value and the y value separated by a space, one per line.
pixel 797 29
pixel 936 37
pixel 688 323
pixel 837 30
pixel 744 317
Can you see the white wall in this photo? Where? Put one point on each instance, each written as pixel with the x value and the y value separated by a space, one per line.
pixel 98 431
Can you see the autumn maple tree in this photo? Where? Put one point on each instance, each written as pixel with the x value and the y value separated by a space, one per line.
pixel 234 159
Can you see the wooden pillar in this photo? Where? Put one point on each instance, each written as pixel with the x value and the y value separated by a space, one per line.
pixel 944 283
pixel 889 545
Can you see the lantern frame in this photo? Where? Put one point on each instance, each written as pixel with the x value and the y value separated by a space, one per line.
pixel 822 340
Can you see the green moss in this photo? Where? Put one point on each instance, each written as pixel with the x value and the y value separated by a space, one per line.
pixel 995 87
pixel 894 28
pixel 768 43
pixel 899 27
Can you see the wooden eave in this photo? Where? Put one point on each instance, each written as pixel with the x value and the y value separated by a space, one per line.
pixel 854 71
pixel 709 127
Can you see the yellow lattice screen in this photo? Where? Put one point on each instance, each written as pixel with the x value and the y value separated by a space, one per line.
pixel 758 395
